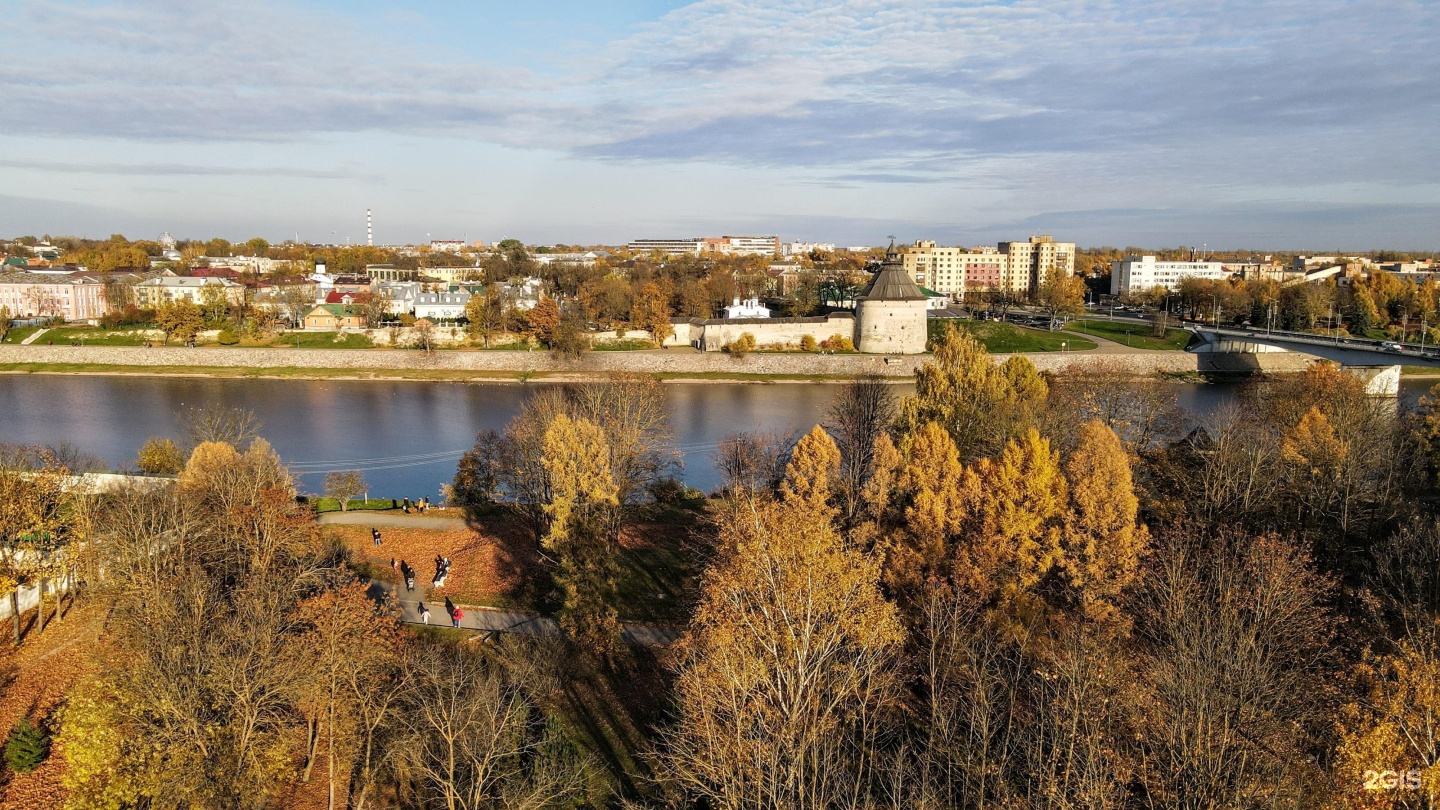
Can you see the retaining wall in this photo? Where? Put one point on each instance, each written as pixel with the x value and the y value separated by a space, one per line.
pixel 671 361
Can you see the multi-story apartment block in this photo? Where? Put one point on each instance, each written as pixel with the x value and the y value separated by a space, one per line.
pixel 806 248
pixel 721 245
pixel 1140 273
pixel 956 271
pixel 1030 264
pixel 152 292
pixel 68 298
pixel 671 247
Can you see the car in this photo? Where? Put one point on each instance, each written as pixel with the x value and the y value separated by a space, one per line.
pixel 1391 346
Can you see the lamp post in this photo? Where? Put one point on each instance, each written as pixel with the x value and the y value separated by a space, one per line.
pixel 1127 337
pixel 1215 309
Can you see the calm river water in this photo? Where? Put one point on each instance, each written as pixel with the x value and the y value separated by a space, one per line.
pixel 406 436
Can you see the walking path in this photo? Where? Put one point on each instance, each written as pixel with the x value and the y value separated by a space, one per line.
pixel 494 620
pixel 27 341
pixel 455 519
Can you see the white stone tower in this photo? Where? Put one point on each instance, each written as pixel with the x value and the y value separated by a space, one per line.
pixel 890 312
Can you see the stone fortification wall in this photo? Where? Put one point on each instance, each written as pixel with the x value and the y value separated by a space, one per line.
pixel 774 331
pixel 673 361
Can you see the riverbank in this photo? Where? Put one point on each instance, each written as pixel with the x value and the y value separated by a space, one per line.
pixel 475 366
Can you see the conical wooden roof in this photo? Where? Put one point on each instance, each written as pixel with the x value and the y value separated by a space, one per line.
pixel 891 282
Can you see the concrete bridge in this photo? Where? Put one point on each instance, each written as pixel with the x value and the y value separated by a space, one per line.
pixel 1377 365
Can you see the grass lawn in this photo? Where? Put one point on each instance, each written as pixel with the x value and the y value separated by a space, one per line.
pixel 323 504
pixel 323 340
pixel 625 345
pixel 19 333
pixel 95 336
pixel 1004 338
pixel 1140 338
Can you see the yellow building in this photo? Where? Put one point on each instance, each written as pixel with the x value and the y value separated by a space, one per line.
pixel 1030 264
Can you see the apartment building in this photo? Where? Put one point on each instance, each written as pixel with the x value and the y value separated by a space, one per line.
pixel 954 271
pixel 806 248
pixel 68 298
pixel 152 292
pixel 1029 264
pixel 1140 273
pixel 670 247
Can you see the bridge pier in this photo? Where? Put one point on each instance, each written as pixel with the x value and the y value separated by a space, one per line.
pixel 1380 381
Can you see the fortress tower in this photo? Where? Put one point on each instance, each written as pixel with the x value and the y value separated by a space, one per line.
pixel 890 311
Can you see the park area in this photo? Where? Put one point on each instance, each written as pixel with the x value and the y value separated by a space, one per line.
pixel 1006 338
pixel 1133 334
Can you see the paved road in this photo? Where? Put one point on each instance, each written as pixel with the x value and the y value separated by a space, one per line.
pixel 493 620
pixel 454 520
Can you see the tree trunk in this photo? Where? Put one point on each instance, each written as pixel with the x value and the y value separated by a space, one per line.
pixel 15 611
pixel 40 605
pixel 60 594
pixel 312 740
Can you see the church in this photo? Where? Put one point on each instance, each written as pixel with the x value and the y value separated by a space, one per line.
pixel 889 318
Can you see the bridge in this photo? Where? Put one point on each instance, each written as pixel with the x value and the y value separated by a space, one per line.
pixel 1347 351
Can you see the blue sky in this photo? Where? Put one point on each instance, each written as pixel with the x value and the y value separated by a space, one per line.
pixel 1272 125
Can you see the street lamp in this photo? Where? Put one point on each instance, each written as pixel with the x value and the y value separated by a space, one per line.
pixel 1215 308
pixel 1065 343
pixel 1127 337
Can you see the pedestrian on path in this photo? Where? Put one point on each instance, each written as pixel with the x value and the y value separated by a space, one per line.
pixel 458 616
pixel 375 535
pixel 424 613
pixel 394 566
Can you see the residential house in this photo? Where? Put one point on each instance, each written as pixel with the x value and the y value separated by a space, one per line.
pixel 443 306
pixel 334 316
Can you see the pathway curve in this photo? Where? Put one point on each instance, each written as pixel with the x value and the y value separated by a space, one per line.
pixel 495 620
pixel 394 519
pixel 27 341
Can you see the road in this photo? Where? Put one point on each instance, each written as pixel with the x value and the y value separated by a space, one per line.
pixel 454 520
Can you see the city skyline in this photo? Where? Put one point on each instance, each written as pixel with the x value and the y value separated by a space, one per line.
pixel 1265 126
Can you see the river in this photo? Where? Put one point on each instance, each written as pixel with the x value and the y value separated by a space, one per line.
pixel 405 436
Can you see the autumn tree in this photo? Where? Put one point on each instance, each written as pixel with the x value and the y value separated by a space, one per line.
pixel 233 426
pixel 858 415
pixel 345 651
pixel 652 312
pixel 159 456
pixel 343 485
pixel 34 525
pixel 583 491
pixel 544 319
pixel 485 314
pixel 179 319
pixel 786 678
pixel 981 404
pixel 1061 295
pixel 1102 546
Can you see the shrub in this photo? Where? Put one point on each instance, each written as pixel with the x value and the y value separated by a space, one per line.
pixel 227 338
pixel 837 343
pixel 807 343
pixel 742 345
pixel 160 456
pixel 26 747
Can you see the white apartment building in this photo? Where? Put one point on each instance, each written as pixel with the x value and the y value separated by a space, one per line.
pixel 742 245
pixel 442 306
pixel 670 247
pixel 152 292
pixel 1140 273
pixel 448 245
pixel 806 248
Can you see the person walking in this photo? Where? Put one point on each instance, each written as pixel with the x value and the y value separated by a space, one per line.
pixel 458 615
pixel 375 535
pixel 424 613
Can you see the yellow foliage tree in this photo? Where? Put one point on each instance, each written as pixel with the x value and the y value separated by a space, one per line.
pixel 810 476
pixel 980 404
pixel 1393 728
pixel 938 493
pixel 159 456
pixel 1014 536
pixel 788 665
pixel 1103 545
pixel 576 458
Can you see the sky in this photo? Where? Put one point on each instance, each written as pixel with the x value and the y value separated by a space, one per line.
pixel 1271 125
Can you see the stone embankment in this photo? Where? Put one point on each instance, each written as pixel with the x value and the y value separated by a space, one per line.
pixel 671 362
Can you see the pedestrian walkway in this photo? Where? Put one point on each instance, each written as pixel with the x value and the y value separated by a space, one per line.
pixel 27 341
pixel 455 520
pixel 495 620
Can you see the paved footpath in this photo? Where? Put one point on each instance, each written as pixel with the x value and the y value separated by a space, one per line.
pixel 494 620
pixel 396 519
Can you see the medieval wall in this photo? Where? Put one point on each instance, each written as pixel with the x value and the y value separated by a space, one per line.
pixel 891 327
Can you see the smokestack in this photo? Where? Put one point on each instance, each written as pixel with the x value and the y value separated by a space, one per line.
pixel 369 231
